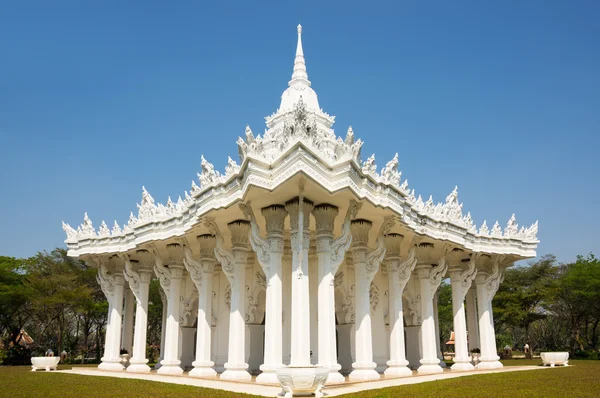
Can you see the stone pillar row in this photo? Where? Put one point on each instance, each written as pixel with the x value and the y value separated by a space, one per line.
pixel 245 234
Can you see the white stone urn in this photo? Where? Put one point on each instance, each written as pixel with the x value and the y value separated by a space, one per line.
pixel 48 363
pixel 298 381
pixel 555 358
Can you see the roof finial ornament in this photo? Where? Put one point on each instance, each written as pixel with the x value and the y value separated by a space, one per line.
pixel 299 75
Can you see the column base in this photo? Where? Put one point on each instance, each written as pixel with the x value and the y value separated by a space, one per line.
pixel 462 365
pixel 430 366
pixel 267 377
pixel 490 365
pixel 364 372
pixel 236 372
pixel 138 368
pixel 335 377
pixel 170 368
pixel 114 365
pixel 397 371
pixel 202 372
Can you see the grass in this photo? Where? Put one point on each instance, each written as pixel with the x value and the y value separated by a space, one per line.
pixel 580 380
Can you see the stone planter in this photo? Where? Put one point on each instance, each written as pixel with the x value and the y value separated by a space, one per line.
pixel 48 363
pixel 555 358
pixel 298 381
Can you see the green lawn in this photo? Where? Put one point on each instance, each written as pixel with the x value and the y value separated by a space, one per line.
pixel 580 380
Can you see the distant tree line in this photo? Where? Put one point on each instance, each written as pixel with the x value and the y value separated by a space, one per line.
pixel 546 304
pixel 51 301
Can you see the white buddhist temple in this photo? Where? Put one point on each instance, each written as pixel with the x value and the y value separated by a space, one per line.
pixel 302 253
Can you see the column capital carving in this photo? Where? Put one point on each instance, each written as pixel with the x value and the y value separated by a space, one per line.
pixel 239 234
pixel 261 246
pixel 106 279
pixel 134 274
pixel 224 257
pixel 176 255
pixel 465 276
pixel 341 244
pixel 424 252
pixel 360 233
pixel 491 281
pixel 293 208
pixel 275 218
pixel 393 244
pixel 401 269
pixel 325 215
pixel 193 267
pixel 375 257
pixel 207 243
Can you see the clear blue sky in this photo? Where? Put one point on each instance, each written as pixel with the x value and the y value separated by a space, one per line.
pixel 500 98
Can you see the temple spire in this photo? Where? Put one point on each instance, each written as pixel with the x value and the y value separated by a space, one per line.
pixel 299 75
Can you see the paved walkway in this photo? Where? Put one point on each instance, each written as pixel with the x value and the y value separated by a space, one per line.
pixel 272 391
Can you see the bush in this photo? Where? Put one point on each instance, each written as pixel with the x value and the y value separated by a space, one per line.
pixel 17 355
pixel 587 354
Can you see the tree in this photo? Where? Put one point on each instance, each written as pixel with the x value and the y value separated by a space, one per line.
pixel 57 296
pixel 14 300
pixel 522 297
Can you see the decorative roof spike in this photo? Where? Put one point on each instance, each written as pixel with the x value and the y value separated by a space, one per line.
pixel 103 231
pixel 349 136
pixel 194 186
pixel 116 230
pixel 87 229
pixel 404 185
pixel 390 173
pixel 369 166
pixel 300 75
pixel 249 135
pixel 71 233
pixel 531 232
pixel 232 167
pixel 512 228
pixel 496 230
pixel 484 230
pixel 208 176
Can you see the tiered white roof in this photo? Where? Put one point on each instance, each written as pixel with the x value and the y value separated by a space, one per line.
pixel 299 138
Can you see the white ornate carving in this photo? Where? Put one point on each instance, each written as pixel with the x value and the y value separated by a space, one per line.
pixel 484 230
pixel 260 245
pixel 340 245
pixel 512 228
pixel 71 233
pixel 374 296
pixel 103 231
pixel 231 168
pixel 375 257
pixel 224 257
pixel 86 229
pixel 369 167
pixel 496 230
pixel 208 176
pixel 390 173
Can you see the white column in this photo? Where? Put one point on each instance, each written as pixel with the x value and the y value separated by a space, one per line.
pixel 201 273
pixel 430 279
pixel 399 273
pixel 112 285
pixel 487 286
pixel 366 265
pixel 436 299
pixel 330 255
pixel 233 264
pixel 269 253
pixel 138 274
pixel 461 282
pixel 127 329
pixel 472 319
pixel 170 281
pixel 163 328
pixel 300 236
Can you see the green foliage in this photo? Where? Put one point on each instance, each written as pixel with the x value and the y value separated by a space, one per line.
pixel 445 314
